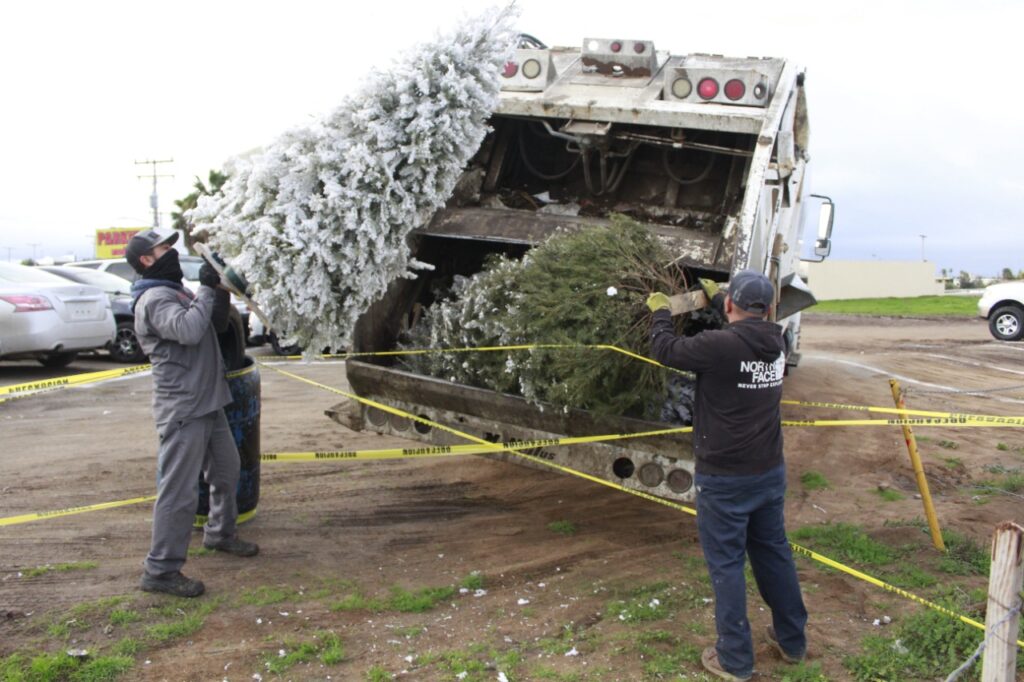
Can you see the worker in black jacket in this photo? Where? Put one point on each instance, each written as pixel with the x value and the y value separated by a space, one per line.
pixel 740 473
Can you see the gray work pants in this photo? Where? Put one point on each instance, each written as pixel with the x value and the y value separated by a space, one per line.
pixel 187 447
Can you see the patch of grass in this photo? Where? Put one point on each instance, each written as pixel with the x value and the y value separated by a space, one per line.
pixel 542 672
pixel 948 444
pixel 377 674
pixel 326 647
pixel 846 542
pixel 473 581
pixel 195 552
pixel 400 599
pixel 558 644
pixel 802 672
pixel 190 616
pixel 918 306
pixel 59 667
pixel 562 527
pixel 409 632
pixel 910 577
pixel 128 646
pixel 663 654
pixel 964 555
pixel 124 616
pixel 812 480
pixel 1002 447
pixel 645 603
pixel 888 494
pixel 926 645
pixel 58 568
pixel 265 595
pixel 952 462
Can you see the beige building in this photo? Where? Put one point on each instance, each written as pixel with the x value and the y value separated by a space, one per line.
pixel 842 279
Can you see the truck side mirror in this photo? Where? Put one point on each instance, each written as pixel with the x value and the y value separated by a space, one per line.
pixel 823 244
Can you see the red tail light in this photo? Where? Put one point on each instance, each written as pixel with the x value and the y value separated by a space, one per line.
pixel 27 304
pixel 616 46
pixel 735 89
pixel 639 47
pixel 511 69
pixel 707 88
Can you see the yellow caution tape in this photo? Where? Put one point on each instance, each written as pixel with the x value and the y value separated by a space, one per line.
pixel 37 516
pixel 34 387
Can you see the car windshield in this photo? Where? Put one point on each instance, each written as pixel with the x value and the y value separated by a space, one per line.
pixel 23 274
pixel 111 284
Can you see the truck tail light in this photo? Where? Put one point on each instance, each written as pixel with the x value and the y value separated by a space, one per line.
pixel 707 88
pixel 531 68
pixel 735 89
pixel 615 46
pixel 27 304
pixel 682 87
pixel 510 70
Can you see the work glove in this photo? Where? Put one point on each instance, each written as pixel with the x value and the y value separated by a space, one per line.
pixel 208 277
pixel 658 301
pixel 716 297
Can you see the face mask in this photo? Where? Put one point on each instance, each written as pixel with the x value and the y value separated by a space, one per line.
pixel 166 267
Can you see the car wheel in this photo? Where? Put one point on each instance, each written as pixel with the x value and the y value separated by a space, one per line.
pixel 55 360
pixel 280 349
pixel 125 347
pixel 1007 323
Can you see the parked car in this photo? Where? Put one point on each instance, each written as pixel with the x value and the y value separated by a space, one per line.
pixel 1003 306
pixel 124 347
pixel 190 269
pixel 48 318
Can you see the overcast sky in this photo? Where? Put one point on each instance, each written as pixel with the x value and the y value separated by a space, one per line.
pixel 915 107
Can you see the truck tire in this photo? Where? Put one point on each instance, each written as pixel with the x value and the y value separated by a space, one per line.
pixel 232 341
pixel 282 349
pixel 1007 323
pixel 125 347
pixel 55 360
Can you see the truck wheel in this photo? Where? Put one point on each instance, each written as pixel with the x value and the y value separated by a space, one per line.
pixel 55 360
pixel 1007 323
pixel 125 347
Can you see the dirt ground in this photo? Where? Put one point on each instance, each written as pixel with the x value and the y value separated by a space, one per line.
pixel 331 533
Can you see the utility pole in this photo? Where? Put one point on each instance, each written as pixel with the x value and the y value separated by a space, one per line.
pixel 153 201
pixel 34 250
pixel 922 236
pixel 9 249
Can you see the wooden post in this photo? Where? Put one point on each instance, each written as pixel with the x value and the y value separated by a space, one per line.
pixel 1002 616
pixel 915 461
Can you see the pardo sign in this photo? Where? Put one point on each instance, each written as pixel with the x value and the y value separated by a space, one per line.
pixel 111 242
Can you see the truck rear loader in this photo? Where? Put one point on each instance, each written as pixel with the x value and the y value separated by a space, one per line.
pixel 709 152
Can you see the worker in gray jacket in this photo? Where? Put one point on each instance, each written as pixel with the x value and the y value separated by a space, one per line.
pixel 177 332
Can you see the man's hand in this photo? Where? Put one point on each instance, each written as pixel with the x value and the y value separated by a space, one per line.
pixel 710 287
pixel 208 276
pixel 658 301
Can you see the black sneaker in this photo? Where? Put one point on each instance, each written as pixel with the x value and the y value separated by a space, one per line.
pixel 234 546
pixel 774 641
pixel 172 583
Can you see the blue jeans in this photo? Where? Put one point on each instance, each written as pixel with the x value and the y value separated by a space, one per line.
pixel 742 515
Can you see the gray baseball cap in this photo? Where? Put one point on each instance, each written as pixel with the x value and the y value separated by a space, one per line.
pixel 144 242
pixel 751 291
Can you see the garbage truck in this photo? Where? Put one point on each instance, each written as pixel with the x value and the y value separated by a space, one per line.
pixel 708 152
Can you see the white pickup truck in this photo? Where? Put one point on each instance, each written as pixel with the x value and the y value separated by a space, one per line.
pixel 1003 306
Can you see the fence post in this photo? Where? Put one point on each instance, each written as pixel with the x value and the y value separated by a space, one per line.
pixel 915 461
pixel 1002 616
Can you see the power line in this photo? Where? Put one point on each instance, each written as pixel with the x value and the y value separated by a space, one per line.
pixel 154 202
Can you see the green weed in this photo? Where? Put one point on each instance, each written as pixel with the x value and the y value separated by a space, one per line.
pixel 948 444
pixel 377 674
pixel 326 647
pixel 562 527
pixel 952 462
pixel 409 632
pixel 129 646
pixel 846 542
pixel 812 480
pixel 645 603
pixel 543 672
pixel 195 552
pixel 400 599
pixel 888 494
pixel 473 581
pixel 58 568
pixel 191 616
pixel 265 595
pixel 1002 447
pixel 964 555
pixel 802 672
pixel 59 667
pixel 124 616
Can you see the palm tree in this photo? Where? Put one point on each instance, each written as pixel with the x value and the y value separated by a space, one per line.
pixel 216 180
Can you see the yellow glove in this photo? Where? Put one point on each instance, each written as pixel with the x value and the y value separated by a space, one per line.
pixel 709 286
pixel 658 301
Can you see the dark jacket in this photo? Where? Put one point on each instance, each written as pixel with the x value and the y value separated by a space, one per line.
pixel 737 426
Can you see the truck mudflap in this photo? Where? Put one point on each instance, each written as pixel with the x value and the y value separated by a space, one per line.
pixel 657 465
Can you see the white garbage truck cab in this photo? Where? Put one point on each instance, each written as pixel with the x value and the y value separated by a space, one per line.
pixel 708 152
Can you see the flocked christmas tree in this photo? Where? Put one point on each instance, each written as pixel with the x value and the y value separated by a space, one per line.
pixel 318 222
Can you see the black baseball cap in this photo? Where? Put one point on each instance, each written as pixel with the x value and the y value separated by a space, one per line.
pixel 751 291
pixel 144 242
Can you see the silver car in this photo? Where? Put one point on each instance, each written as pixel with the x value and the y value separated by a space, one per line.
pixel 45 317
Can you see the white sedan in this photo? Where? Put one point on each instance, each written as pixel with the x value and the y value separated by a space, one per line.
pixel 48 318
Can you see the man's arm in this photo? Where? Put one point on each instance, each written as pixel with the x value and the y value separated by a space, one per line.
pixel 221 309
pixel 169 320
pixel 693 353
